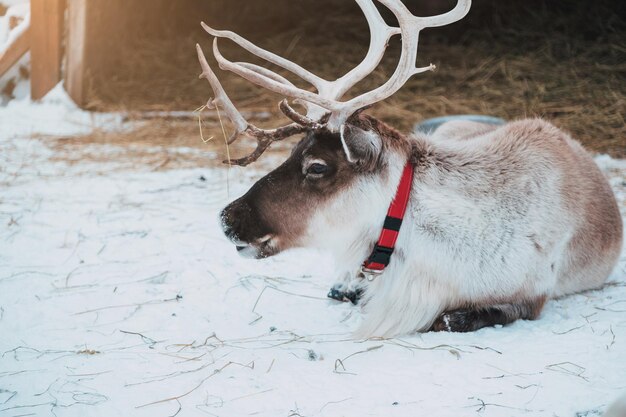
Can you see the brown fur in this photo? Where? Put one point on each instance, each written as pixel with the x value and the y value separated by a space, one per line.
pixel 474 318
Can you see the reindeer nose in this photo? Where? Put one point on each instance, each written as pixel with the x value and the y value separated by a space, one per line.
pixel 242 222
pixel 230 220
pixel 238 221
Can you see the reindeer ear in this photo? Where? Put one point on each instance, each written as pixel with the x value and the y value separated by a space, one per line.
pixel 362 147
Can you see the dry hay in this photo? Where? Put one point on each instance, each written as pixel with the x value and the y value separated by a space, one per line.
pixel 158 144
pixel 565 62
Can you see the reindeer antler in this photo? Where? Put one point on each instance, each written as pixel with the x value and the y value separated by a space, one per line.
pixel 324 108
pixel 264 137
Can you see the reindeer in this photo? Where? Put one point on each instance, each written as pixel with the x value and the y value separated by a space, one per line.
pixel 482 223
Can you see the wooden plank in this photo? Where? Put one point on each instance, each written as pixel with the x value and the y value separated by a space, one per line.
pixel 47 22
pixel 75 82
pixel 15 51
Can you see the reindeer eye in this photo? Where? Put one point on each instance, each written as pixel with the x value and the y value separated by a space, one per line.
pixel 316 169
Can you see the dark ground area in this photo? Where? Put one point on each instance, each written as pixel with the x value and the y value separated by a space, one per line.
pixel 563 61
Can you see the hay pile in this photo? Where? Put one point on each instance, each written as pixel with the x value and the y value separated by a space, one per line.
pixel 564 61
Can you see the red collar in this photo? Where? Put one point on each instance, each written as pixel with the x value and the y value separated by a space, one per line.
pixel 381 254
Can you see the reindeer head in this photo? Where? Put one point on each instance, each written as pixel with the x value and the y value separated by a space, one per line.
pixel 325 191
pixel 344 152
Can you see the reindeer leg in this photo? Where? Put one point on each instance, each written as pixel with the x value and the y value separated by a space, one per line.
pixel 474 318
pixel 339 294
pixel 348 289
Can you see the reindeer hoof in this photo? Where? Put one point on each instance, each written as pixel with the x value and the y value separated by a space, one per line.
pixel 337 293
pixel 457 321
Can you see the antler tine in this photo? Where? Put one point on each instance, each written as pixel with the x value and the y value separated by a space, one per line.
pixel 265 72
pixel 271 83
pixel 221 97
pixel 264 75
pixel 264 137
pixel 298 118
pixel 296 69
pixel 410 27
pixel 284 104
pixel 380 33
pixel 459 12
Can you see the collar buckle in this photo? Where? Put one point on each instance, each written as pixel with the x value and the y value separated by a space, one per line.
pixel 370 274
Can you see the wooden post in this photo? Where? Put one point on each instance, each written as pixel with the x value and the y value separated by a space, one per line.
pixel 15 51
pixel 76 50
pixel 46 33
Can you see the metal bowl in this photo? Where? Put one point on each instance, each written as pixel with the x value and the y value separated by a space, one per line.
pixel 430 125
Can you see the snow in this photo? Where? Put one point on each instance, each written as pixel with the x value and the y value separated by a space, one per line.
pixel 120 296
pixel 20 11
pixel 57 115
pixel 14 2
pixel 7 35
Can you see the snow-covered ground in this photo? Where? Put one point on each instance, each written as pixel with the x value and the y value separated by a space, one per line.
pixel 120 297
